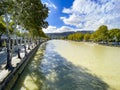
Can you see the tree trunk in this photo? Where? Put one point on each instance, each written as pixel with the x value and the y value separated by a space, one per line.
pixel 29 43
pixel 18 53
pixel 9 58
pixel 32 43
pixel 25 47
pixel 0 40
pixel 18 49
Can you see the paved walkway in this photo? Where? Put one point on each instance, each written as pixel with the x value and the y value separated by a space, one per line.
pixel 15 61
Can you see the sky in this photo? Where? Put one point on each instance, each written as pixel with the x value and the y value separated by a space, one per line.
pixel 79 15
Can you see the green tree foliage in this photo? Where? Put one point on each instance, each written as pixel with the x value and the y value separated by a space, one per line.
pixel 2 30
pixel 5 10
pixel 28 14
pixel 2 26
pixel 87 37
pixel 118 36
pixel 114 34
pixel 101 34
pixel 76 36
pixel 18 33
pixel 31 15
pixel 6 6
pixel 4 43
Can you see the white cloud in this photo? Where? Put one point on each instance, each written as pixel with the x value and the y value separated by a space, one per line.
pixel 50 4
pixel 65 10
pixel 73 20
pixel 65 29
pixel 50 29
pixel 53 29
pixel 90 14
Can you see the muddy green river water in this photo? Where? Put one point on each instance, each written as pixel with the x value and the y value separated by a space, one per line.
pixel 69 65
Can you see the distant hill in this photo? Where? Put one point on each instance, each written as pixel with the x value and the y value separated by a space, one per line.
pixel 64 34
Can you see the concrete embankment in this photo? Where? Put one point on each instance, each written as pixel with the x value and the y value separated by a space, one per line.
pixel 8 82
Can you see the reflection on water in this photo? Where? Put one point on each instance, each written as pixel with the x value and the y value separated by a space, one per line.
pixel 65 65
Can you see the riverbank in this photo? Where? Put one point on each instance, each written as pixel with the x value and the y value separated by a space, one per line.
pixel 19 64
pixel 111 44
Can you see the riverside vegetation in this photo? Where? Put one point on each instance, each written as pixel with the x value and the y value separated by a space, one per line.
pixel 102 36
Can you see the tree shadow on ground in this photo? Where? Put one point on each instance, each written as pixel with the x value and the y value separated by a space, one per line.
pixel 54 72
pixel 33 72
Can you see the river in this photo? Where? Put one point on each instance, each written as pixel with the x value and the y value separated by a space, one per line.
pixel 69 65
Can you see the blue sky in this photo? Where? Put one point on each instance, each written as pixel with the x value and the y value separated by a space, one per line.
pixel 77 15
pixel 56 7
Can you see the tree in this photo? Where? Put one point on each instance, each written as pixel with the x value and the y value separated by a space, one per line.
pixel 101 34
pixel 87 37
pixel 118 36
pixel 28 14
pixel 114 34
pixel 79 36
pixel 32 15
pixel 2 29
pixel 5 10
pixel 76 36
pixel 2 26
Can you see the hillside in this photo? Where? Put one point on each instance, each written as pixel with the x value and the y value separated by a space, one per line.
pixel 64 34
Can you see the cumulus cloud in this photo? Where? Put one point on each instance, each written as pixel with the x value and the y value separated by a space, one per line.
pixel 53 29
pixel 73 20
pixel 65 29
pixel 50 29
pixel 90 14
pixel 65 10
pixel 50 4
